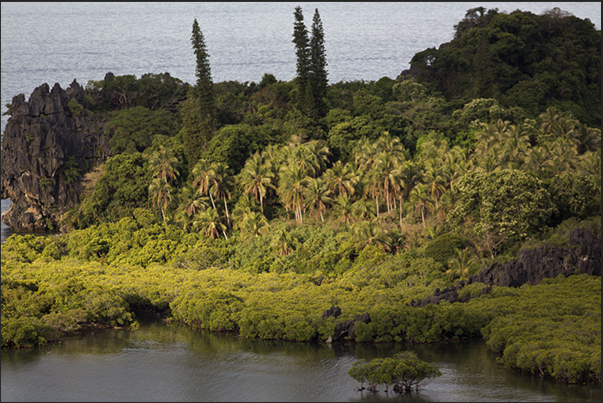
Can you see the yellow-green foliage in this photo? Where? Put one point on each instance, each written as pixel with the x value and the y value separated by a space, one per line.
pixel 52 286
pixel 553 329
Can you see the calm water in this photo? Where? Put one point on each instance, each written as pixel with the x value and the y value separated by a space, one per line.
pixel 172 363
pixel 59 42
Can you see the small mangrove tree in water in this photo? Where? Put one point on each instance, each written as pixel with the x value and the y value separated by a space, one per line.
pixel 405 371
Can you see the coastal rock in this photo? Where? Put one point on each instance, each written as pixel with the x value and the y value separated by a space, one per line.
pixel 334 311
pixel 46 151
pixel 348 328
pixel 583 255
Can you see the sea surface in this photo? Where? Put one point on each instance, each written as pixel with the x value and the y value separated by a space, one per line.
pixel 60 42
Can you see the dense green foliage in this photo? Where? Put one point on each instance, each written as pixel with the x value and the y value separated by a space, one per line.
pixel 274 215
pixel 521 59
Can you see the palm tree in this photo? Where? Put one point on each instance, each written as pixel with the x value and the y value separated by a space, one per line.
pixel 457 164
pixel 564 155
pixel 515 148
pixel 312 156
pixel 162 164
pixel 391 145
pixel 208 222
pixel 362 209
pixel 292 184
pixel 565 127
pixel 221 184
pixel 421 199
pixel 161 194
pixel 367 233
pixel 461 265
pixel 283 242
pixel 535 159
pixel 341 179
pixel 364 154
pixel 254 223
pixel 243 207
pixel 590 165
pixel 191 200
pixel 256 178
pixel 317 196
pixel 434 181
pixel 549 119
pixel 343 208
pixel 411 174
pixel 203 174
pixel 394 241
pixel 587 138
pixel 386 169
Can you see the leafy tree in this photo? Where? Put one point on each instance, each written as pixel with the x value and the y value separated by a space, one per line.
pixel 133 129
pixel 404 370
pixel 508 202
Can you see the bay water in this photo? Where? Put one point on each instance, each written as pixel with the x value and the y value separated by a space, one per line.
pixel 59 42
pixel 160 362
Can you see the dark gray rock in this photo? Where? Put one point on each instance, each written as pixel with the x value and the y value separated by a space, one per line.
pixel 348 328
pixel 583 255
pixel 334 311
pixel 40 137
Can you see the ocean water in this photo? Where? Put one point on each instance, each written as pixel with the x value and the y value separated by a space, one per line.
pixel 59 42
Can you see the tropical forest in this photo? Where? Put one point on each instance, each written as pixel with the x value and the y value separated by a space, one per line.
pixel 461 199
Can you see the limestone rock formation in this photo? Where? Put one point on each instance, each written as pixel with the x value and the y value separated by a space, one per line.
pixel 532 266
pixel 46 150
pixel 348 328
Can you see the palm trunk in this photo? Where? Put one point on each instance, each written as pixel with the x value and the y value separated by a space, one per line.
pixel 400 213
pixel 423 215
pixel 227 215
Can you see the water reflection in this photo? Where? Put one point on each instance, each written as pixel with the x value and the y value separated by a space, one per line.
pixel 159 362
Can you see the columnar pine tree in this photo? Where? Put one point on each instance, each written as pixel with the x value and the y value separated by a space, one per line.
pixel 302 51
pixel 198 111
pixel 311 66
pixel 318 64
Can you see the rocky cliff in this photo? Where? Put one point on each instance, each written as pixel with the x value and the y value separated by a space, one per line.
pixel 50 142
pixel 583 255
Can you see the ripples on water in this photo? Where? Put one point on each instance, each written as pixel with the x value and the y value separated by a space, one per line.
pixel 158 362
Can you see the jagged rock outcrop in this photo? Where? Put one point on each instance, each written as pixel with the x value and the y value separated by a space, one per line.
pixel 407 74
pixel 46 150
pixel 532 266
pixel 348 328
pixel 334 311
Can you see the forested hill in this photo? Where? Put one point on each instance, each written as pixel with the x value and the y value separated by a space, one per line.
pixel 520 59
